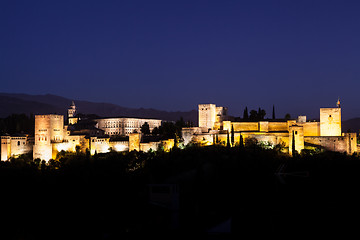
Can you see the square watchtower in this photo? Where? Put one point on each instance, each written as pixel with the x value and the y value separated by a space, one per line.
pixel 330 121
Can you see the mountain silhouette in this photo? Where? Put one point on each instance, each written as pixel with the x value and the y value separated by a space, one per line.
pixel 351 125
pixel 18 103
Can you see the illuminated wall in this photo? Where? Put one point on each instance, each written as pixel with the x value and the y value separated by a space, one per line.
pixel 278 126
pixel 346 143
pixel 119 146
pixel 188 133
pixel 15 146
pixel 145 147
pixel 227 126
pixel 263 126
pixel 20 145
pixel 104 145
pixel 272 138
pixel 330 121
pixel 245 126
pixel 204 139
pixel 134 141
pixel 311 128
pixel 69 144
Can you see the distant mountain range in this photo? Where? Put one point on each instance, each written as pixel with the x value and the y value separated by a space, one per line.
pixel 351 125
pixel 45 104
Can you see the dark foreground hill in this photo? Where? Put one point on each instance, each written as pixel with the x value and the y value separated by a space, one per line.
pixel 79 196
pixel 44 104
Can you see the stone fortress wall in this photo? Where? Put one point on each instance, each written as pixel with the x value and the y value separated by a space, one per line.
pixel 325 134
pixel 13 146
pixel 52 135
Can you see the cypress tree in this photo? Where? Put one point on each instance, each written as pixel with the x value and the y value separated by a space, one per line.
pixel 273 113
pixel 232 135
pixel 293 144
pixel 241 142
pixel 228 139
pixel 246 114
pixel 261 114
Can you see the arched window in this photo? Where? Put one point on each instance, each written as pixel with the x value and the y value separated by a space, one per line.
pixel 18 143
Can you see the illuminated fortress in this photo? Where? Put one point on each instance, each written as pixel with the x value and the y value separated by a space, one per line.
pixel 326 134
pixel 52 135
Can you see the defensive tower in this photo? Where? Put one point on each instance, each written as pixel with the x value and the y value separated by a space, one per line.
pixel 48 129
pixel 330 121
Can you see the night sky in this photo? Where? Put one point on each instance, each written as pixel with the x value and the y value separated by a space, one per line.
pixel 172 55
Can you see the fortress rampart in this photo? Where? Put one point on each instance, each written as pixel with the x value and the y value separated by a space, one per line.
pixel 52 136
pixel 325 134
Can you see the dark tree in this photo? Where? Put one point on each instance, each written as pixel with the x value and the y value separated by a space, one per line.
pixel 155 131
pixel 145 128
pixel 167 130
pixel 287 116
pixel 189 124
pixel 228 139
pixel 293 144
pixel 180 123
pixel 253 115
pixel 171 130
pixel 232 135
pixel 273 113
pixel 261 114
pixel 246 114
pixel 241 142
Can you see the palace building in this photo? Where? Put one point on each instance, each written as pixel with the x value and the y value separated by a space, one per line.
pixel 125 126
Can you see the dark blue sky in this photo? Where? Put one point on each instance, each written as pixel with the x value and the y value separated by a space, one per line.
pixel 172 55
